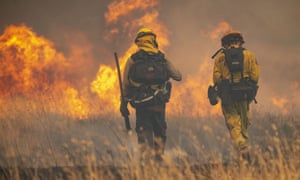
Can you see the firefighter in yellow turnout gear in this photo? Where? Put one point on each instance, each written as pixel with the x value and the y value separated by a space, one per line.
pixel 236 109
pixel 148 90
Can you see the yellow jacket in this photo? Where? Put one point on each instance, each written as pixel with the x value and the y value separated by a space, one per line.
pixel 221 70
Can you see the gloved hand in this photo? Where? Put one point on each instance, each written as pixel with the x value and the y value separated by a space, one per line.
pixel 212 93
pixel 123 108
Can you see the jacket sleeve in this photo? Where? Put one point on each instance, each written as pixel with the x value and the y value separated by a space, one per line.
pixel 125 81
pixel 251 67
pixel 173 71
pixel 254 68
pixel 218 68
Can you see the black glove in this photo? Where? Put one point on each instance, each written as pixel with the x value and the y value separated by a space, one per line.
pixel 212 95
pixel 123 108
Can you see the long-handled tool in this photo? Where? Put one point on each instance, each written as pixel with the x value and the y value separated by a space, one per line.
pixel 126 118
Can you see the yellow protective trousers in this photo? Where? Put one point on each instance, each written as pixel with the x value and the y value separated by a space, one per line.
pixel 237 120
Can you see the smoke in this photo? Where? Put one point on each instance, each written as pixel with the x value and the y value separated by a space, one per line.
pixel 269 27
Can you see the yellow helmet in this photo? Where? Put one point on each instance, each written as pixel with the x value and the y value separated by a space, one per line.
pixel 144 32
pixel 232 36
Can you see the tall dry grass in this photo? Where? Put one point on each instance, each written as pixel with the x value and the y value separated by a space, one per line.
pixel 39 144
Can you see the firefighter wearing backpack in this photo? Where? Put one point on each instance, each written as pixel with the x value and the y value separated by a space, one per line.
pixel 147 88
pixel 236 75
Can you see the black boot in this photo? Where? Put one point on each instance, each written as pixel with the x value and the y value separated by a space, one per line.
pixel 158 158
pixel 246 157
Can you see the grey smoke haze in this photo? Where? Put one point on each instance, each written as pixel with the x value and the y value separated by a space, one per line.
pixel 270 28
pixel 271 31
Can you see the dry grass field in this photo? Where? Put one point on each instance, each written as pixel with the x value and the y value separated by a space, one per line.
pixel 59 92
pixel 37 144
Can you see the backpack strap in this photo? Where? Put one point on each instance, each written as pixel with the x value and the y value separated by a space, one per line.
pixel 143 55
pixel 140 55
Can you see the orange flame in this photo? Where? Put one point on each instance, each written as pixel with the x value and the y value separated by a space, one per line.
pixel 221 29
pixel 30 64
pixel 281 103
pixel 125 7
pixel 106 81
pixel 27 61
pixel 189 98
pixel 286 103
